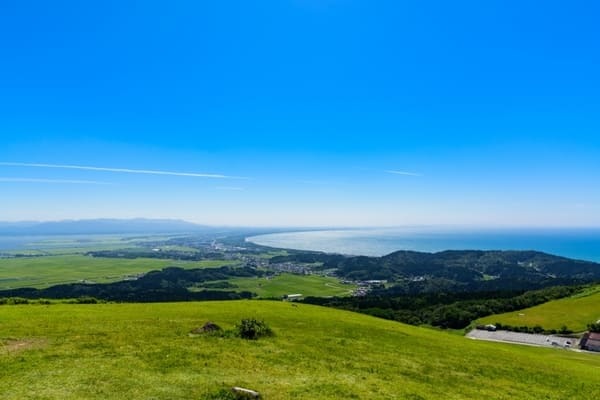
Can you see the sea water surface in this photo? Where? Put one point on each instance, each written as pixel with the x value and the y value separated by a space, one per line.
pixel 583 244
pixel 15 242
pixel 48 242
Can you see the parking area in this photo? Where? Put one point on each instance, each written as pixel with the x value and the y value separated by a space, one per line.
pixel 524 338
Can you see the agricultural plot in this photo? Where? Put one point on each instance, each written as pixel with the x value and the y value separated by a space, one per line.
pixel 45 271
pixel 284 284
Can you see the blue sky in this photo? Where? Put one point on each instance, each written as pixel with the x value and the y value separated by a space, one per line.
pixel 304 109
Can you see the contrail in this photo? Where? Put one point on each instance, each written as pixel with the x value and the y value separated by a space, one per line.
pixel 60 181
pixel 122 170
pixel 403 173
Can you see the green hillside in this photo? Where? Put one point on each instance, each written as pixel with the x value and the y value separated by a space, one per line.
pixel 574 312
pixel 41 272
pixel 144 351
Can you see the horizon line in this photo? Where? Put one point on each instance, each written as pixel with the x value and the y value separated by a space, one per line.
pixel 311 227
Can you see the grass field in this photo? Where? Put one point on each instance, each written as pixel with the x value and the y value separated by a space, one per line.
pixel 307 285
pixel 574 312
pixel 144 351
pixel 46 271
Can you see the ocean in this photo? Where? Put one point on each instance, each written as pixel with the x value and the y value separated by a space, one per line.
pixel 46 242
pixel 583 244
pixel 15 242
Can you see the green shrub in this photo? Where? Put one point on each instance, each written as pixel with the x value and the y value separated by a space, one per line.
pixel 594 327
pixel 17 300
pixel 86 300
pixel 564 330
pixel 252 329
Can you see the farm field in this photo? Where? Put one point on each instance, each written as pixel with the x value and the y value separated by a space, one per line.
pixel 574 312
pixel 44 271
pixel 62 260
pixel 307 285
pixel 144 351
pixel 78 244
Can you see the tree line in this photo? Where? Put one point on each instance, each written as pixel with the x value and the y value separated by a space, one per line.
pixel 448 310
pixel 168 284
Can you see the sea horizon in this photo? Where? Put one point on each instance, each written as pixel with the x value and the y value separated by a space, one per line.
pixel 576 243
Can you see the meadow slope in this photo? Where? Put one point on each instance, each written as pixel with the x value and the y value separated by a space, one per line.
pixel 575 312
pixel 144 351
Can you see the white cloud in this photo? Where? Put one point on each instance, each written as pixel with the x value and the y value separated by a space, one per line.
pixel 120 170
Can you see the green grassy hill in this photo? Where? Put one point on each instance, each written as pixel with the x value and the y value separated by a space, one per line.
pixel 144 351
pixel 574 312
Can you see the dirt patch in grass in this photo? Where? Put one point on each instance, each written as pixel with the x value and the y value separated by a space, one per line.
pixel 15 346
pixel 209 327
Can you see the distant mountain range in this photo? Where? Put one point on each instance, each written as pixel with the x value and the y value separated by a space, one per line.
pixel 100 226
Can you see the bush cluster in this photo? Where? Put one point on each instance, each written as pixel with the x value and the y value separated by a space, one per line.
pixel 252 329
pixel 594 327
pixel 444 309
pixel 11 301
pixel 564 330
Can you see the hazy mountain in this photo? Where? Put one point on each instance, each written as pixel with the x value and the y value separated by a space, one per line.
pixel 100 226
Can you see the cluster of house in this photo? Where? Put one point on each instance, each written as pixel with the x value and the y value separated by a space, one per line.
pixel 590 341
pixel 254 262
pixel 365 287
pixel 291 267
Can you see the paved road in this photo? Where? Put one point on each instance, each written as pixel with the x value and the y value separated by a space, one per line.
pixel 524 338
